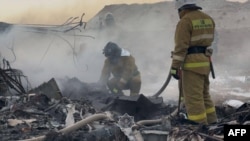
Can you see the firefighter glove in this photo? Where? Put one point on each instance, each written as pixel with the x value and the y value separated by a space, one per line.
pixel 115 91
pixel 175 73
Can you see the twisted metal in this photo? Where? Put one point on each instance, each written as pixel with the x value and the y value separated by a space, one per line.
pixel 11 79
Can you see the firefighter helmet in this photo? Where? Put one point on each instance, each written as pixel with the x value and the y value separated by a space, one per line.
pixel 109 19
pixel 186 4
pixel 112 50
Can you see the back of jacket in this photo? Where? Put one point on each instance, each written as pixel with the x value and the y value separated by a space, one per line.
pixel 195 28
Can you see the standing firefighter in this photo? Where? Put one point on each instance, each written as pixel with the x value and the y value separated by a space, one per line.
pixel 121 65
pixel 191 60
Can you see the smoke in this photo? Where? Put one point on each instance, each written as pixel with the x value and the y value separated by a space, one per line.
pixel 43 55
pixel 150 41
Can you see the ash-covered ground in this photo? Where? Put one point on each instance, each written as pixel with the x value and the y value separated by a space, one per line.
pixel 89 112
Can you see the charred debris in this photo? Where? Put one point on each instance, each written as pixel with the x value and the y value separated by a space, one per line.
pixel 85 111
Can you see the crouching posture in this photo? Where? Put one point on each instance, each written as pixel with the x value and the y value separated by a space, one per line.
pixel 120 71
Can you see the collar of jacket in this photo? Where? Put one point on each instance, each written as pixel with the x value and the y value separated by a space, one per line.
pixel 125 52
pixel 184 12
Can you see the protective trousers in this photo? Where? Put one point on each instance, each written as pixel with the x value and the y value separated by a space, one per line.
pixel 199 105
pixel 134 85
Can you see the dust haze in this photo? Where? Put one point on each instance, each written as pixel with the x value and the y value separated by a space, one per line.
pixel 146 30
pixel 54 12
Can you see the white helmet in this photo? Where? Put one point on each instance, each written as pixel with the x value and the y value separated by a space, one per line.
pixel 180 3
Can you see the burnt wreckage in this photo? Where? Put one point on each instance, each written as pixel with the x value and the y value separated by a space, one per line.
pixel 11 80
pixel 87 112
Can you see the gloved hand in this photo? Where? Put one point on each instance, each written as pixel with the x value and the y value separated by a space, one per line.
pixel 175 73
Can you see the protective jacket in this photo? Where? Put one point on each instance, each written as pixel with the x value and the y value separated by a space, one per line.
pixel 195 28
pixel 122 68
pixel 194 33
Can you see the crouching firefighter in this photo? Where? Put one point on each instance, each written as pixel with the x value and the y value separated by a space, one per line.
pixel 120 64
pixel 191 58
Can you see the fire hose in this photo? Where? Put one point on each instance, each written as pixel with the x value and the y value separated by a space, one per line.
pixel 164 85
pixel 74 127
pixel 180 104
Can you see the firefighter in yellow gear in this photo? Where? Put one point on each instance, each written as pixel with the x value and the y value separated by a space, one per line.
pixel 191 60
pixel 121 65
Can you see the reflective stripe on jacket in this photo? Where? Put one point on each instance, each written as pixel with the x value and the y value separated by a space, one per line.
pixel 195 28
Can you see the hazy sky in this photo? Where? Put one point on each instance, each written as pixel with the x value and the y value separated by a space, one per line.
pixel 56 11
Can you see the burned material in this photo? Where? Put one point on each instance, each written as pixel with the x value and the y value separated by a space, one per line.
pixel 50 89
pixel 94 114
pixel 11 80
pixel 139 106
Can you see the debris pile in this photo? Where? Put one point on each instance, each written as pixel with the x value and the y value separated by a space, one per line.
pixel 94 114
pixel 27 116
pixel 74 110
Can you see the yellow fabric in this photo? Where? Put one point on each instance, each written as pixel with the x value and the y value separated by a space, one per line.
pixel 197 117
pixel 172 71
pixel 210 110
pixel 179 58
pixel 195 28
pixel 202 24
pixel 196 65
pixel 124 71
pixel 201 116
pixel 115 90
pixel 204 36
pixel 124 68
pixel 197 99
